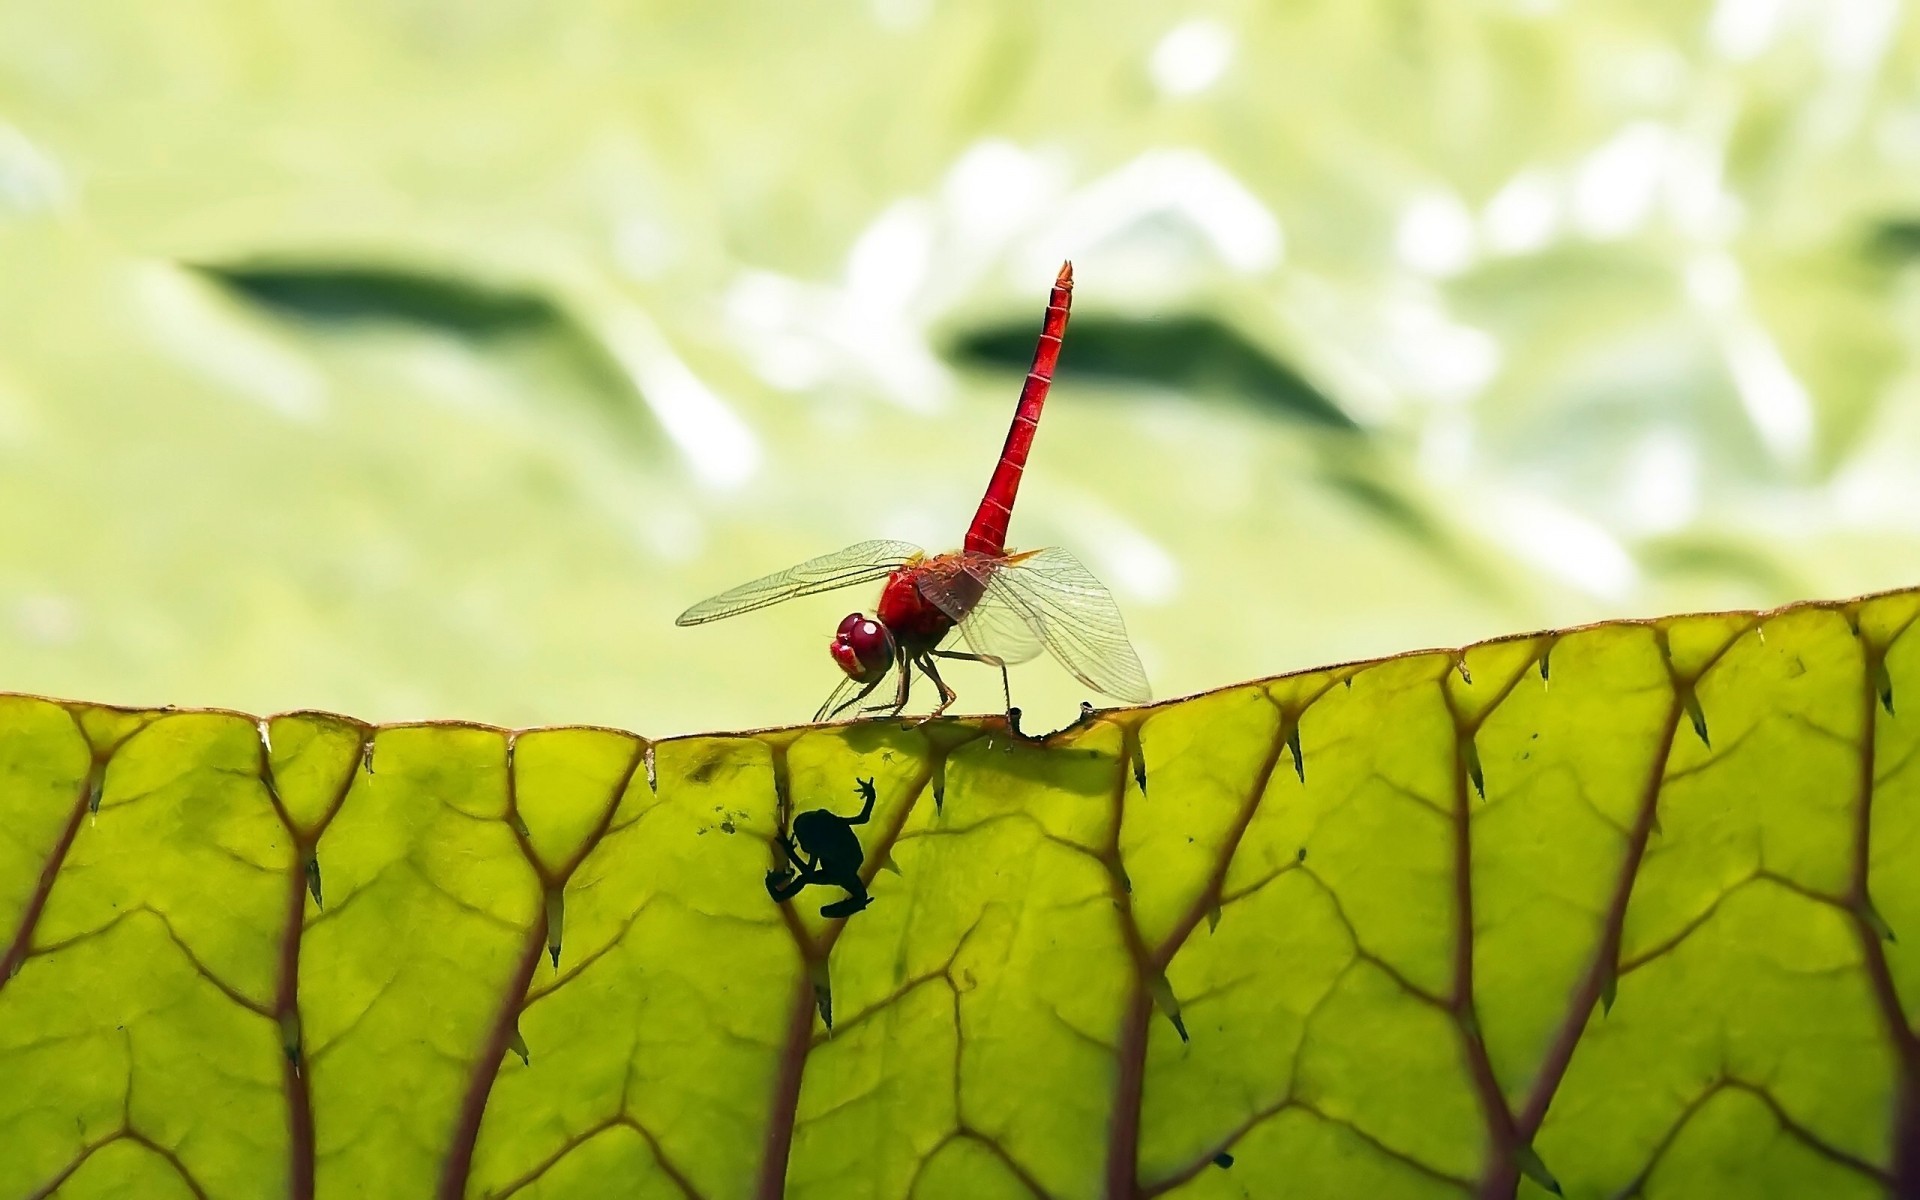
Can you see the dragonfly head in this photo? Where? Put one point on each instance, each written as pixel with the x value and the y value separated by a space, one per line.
pixel 863 648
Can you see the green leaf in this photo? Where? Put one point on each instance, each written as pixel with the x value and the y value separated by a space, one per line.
pixel 1417 977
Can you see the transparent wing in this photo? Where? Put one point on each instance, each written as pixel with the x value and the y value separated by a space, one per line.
pixel 959 585
pixel 843 568
pixel 953 583
pixel 1074 616
pixel 997 628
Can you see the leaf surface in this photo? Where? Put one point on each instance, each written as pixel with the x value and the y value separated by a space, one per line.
pixel 1610 910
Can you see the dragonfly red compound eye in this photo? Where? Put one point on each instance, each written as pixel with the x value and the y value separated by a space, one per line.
pixel 862 647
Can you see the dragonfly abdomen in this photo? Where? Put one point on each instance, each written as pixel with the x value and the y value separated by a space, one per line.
pixel 988 533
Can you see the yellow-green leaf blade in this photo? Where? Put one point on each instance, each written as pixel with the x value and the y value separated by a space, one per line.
pixel 1484 922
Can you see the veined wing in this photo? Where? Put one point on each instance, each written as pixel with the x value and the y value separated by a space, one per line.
pixel 953 583
pixel 996 628
pixel 1074 616
pixel 859 563
pixel 958 585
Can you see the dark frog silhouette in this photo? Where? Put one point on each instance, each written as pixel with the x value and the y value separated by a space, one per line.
pixel 833 856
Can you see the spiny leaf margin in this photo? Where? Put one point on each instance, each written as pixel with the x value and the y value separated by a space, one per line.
pixel 1609 925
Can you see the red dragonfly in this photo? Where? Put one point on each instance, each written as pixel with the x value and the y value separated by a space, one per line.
pixel 1006 605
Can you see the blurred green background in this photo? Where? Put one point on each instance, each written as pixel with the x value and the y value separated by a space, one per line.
pixel 424 358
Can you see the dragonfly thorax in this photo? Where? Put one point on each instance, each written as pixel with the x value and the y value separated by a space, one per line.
pixel 863 648
pixel 915 620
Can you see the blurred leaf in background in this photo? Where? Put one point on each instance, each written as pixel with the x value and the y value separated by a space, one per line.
pixel 422 359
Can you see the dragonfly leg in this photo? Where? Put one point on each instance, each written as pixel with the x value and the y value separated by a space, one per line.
pixel 830 710
pixel 1006 688
pixel 947 694
pixel 900 693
